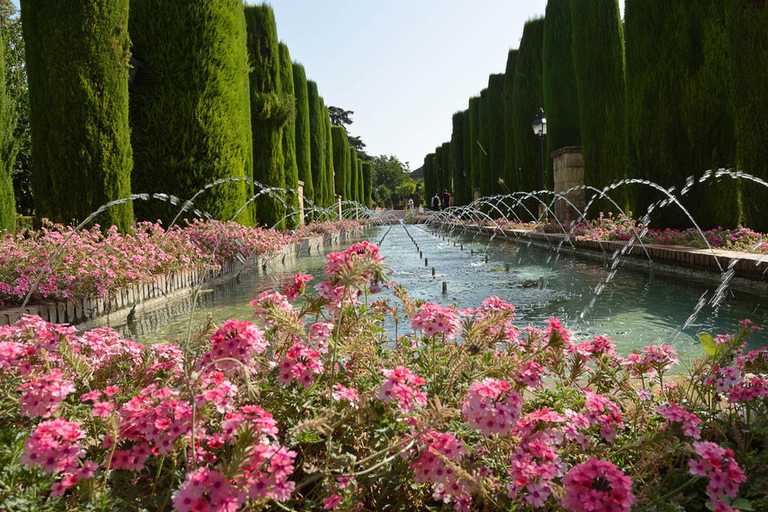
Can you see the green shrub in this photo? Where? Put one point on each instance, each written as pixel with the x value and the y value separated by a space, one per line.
pixel 747 24
pixel 290 167
pixel 679 111
pixel 598 56
pixel 8 149
pixel 561 99
pixel 528 98
pixel 303 152
pixel 270 112
pixel 77 55
pixel 457 158
pixel 495 130
pixel 511 176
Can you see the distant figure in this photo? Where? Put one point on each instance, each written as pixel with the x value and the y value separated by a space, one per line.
pixel 446 199
pixel 410 203
pixel 436 202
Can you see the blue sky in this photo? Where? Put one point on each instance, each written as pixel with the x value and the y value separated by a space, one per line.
pixel 403 66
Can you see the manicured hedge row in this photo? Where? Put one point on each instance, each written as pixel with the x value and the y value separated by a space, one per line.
pixel 457 159
pixel 291 169
pixel 303 151
pixel 8 149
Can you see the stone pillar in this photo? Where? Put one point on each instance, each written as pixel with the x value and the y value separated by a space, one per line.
pixel 568 166
pixel 301 203
pixel 338 206
pixel 476 193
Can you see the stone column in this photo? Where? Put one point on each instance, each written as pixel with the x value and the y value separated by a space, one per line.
pixel 568 166
pixel 301 203
pixel 338 206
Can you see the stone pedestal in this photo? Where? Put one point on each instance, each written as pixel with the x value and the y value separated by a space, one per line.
pixel 568 166
pixel 301 203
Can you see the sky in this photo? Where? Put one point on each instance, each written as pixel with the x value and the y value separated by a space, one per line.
pixel 403 66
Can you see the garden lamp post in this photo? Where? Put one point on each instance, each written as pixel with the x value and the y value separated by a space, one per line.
pixel 539 125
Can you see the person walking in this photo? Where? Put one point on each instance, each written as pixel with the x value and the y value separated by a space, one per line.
pixel 446 199
pixel 410 204
pixel 436 202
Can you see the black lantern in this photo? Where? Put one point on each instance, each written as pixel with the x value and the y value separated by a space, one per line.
pixel 539 126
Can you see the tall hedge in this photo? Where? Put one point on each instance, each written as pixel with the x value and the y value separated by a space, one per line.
pixel 474 146
pixel 465 191
pixel 360 182
pixel 8 150
pixel 486 180
pixel 77 55
pixel 561 99
pixel 679 111
pixel 437 167
pixel 431 187
pixel 316 142
pixel 290 166
pixel 368 184
pixel 445 164
pixel 511 176
pixel 457 158
pixel 496 133
pixel 353 164
pixel 598 56
pixel 340 159
pixel 303 152
pixel 330 188
pixel 270 111
pixel 748 31
pixel 528 98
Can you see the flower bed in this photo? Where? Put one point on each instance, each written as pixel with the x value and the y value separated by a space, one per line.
pixel 87 262
pixel 318 408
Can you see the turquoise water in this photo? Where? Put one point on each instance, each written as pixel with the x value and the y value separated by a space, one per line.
pixel 634 309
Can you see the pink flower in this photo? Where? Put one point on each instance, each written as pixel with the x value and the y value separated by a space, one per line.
pixel 690 422
pixel 492 406
pixel 719 465
pixel 332 501
pixel 343 393
pixel 597 486
pixel 270 307
pixel 237 340
pixel 300 363
pixel 295 287
pixel 433 319
pixel 54 446
pixel 44 395
pixel 102 409
pixel 400 387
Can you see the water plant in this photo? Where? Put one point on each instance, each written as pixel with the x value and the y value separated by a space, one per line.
pixel 316 407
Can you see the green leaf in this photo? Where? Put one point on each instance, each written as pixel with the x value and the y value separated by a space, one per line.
pixel 742 504
pixel 708 344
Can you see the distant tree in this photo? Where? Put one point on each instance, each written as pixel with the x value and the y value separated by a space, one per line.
pixel 8 149
pixel 389 171
pixel 317 142
pixel 383 196
pixel 368 183
pixel 339 116
pixel 405 190
pixel 357 143
pixel 303 152
pixel 289 138
pixel 511 176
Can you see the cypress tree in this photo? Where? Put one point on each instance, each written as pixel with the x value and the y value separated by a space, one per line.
pixel 474 146
pixel 368 183
pixel 747 24
pixel 353 163
pixel 561 103
pixel 353 181
pixel 289 138
pixel 465 192
pixel 190 117
pixel 496 133
pixel 77 55
pixel 316 143
pixel 528 98
pixel 429 170
pixel 8 150
pixel 598 56
pixel 303 152
pixel 679 110
pixel 457 158
pixel 360 182
pixel 347 172
pixel 340 159
pixel 437 168
pixel 330 189
pixel 445 164
pixel 486 180
pixel 270 111
pixel 511 176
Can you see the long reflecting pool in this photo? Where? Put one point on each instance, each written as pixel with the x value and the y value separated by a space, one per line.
pixel 635 308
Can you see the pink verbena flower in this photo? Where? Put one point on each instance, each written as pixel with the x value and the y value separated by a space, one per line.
pixel 492 406
pixel 433 319
pixel 432 468
pixel 723 378
pixel 301 363
pixel 597 486
pixel 341 392
pixel 719 465
pixel 319 334
pixel 207 490
pixel 269 307
pixel 44 395
pixel 400 386
pixel 601 411
pixel 236 340
pixel 337 263
pixel 748 390
pixel 295 286
pixel 689 421
pixel 54 446
pixel 332 501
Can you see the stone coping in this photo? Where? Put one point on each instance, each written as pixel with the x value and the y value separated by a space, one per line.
pixel 85 312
